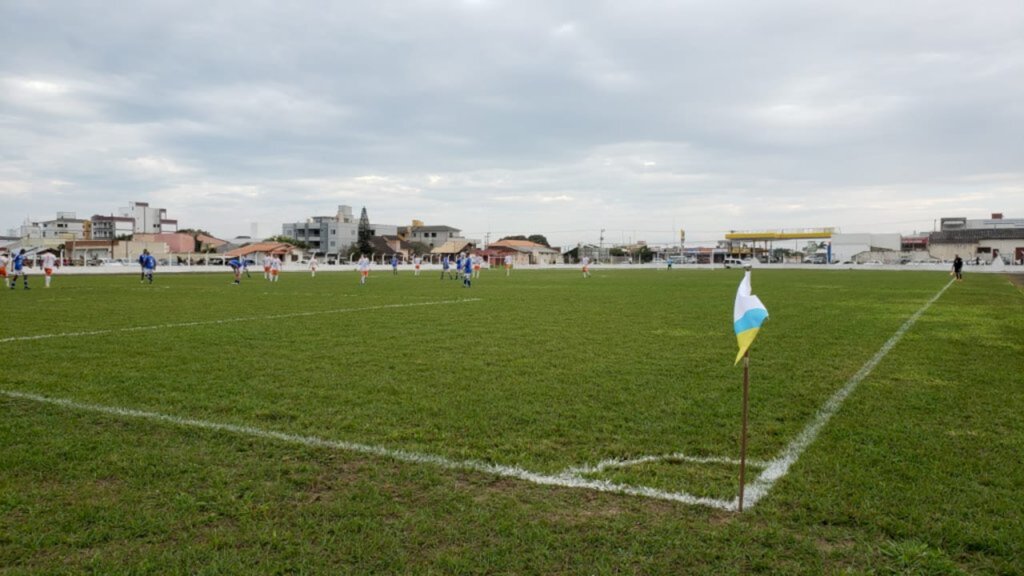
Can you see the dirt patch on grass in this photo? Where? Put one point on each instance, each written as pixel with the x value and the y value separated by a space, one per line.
pixel 1017 280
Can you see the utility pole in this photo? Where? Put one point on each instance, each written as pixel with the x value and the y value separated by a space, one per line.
pixel 600 245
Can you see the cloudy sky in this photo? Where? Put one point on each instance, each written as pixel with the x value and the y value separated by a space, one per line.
pixel 516 116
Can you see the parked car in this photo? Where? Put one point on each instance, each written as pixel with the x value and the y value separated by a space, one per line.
pixel 735 263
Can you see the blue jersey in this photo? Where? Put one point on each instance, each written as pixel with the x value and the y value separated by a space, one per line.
pixel 148 262
pixel 234 263
pixel 19 262
pixel 394 261
pixel 467 266
pixel 445 264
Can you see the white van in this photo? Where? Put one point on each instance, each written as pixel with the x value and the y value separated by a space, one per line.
pixel 735 263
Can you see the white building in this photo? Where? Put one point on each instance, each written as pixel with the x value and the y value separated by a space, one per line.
pixel 326 234
pixel 148 220
pixel 865 247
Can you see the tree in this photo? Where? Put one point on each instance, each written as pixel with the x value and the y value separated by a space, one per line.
pixel 539 239
pixel 520 237
pixel 195 233
pixel 419 248
pixel 289 240
pixel 644 254
pixel 364 234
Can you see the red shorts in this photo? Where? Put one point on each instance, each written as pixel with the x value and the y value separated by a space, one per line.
pixel 48 271
pixel 3 272
pixel 417 266
pixel 273 272
pixel 266 269
pixel 364 272
pixel 586 268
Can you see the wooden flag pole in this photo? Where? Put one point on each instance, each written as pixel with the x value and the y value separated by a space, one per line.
pixel 743 434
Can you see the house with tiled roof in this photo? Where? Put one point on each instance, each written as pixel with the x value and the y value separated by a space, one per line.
pixel 524 252
pixel 258 250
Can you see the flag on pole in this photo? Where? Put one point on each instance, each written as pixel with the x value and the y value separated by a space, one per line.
pixel 747 316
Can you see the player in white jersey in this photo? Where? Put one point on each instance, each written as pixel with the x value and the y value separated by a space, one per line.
pixel 49 261
pixel 417 261
pixel 267 261
pixel 508 265
pixel 4 260
pixel 364 269
pixel 275 268
pixel 313 265
pixel 586 266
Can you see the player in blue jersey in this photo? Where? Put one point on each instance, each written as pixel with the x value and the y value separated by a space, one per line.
pixel 148 266
pixel 394 264
pixel 467 271
pixel 446 267
pixel 18 265
pixel 236 267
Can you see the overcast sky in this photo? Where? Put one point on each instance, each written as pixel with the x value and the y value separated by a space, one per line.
pixel 516 117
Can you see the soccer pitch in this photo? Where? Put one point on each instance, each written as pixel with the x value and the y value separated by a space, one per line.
pixel 538 423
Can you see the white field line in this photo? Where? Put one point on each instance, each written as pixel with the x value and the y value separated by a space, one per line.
pixel 232 320
pixel 400 455
pixel 778 467
pixel 677 457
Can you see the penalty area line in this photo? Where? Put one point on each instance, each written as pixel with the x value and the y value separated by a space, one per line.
pixel 516 472
pixel 779 467
pixel 233 320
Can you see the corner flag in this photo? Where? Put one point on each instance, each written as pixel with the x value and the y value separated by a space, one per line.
pixel 747 315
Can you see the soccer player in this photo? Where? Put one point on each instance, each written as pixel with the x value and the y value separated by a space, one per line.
pixel 446 267
pixel 313 264
pixel 3 268
pixel 142 266
pixel 478 261
pixel 458 266
pixel 275 268
pixel 49 261
pixel 586 266
pixel 149 266
pixel 267 260
pixel 467 271
pixel 236 267
pixel 394 264
pixel 508 265
pixel 17 263
pixel 364 269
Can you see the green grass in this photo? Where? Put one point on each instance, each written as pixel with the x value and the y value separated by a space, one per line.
pixel 919 472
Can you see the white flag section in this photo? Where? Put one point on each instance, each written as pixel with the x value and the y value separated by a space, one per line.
pixel 747 316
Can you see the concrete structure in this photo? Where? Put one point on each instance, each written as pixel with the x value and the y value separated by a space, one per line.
pixel 330 235
pixel 148 220
pixel 256 252
pixel 860 248
pixel 111 227
pixel 982 240
pixel 432 236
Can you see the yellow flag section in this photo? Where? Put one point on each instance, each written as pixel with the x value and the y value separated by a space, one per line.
pixel 747 316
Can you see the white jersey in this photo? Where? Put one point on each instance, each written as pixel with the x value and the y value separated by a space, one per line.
pixel 3 261
pixel 268 261
pixel 313 263
pixel 417 260
pixel 508 260
pixel 364 264
pixel 49 260
pixel 275 263
pixel 585 261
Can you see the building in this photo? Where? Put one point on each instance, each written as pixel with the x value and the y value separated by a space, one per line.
pixel 256 252
pixel 862 248
pixel 148 220
pixel 432 236
pixel 525 252
pixel 982 240
pixel 111 227
pixel 329 235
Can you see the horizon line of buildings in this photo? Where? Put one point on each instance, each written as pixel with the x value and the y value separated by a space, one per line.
pixel 141 226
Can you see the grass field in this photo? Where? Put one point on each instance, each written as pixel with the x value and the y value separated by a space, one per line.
pixel 414 426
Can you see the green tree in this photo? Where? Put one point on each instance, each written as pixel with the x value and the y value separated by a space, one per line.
pixel 538 239
pixel 364 234
pixel 419 248
pixel 644 254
